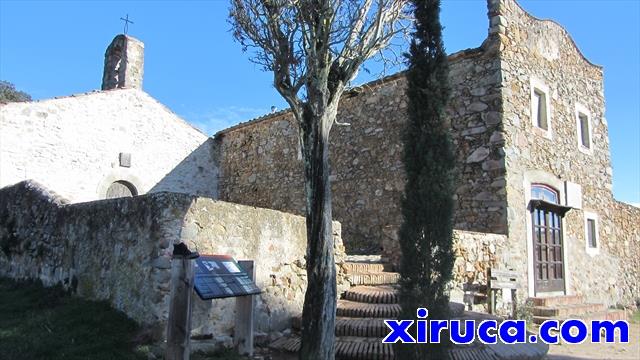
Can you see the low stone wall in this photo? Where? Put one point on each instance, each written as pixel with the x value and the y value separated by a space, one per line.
pixel 119 251
pixel 277 242
pixel 475 252
pixel 626 245
pixel 106 250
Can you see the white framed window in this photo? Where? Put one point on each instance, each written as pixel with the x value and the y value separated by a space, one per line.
pixel 591 237
pixel 584 129
pixel 540 107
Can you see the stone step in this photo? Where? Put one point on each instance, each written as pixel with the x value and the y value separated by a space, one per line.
pixel 374 278
pixel 362 327
pixel 502 351
pixel 381 294
pixel 366 327
pixel 370 328
pixel 286 343
pixel 364 258
pixel 347 348
pixel 564 311
pixel 360 348
pixel 355 348
pixel 364 268
pixel 350 308
pixel 558 300
pixel 364 310
pixel 612 315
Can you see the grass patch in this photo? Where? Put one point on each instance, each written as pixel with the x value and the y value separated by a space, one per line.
pixel 635 317
pixel 46 323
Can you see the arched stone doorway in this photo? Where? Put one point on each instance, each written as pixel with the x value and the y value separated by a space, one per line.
pixel 121 188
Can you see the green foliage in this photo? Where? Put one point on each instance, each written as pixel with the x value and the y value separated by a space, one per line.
pixel 8 239
pixel 47 323
pixel 8 93
pixel 524 311
pixel 427 207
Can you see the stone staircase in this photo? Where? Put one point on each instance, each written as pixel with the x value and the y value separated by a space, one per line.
pixel 572 307
pixel 359 326
pixel 373 297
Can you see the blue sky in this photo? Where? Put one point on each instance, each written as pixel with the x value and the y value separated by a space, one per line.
pixel 192 64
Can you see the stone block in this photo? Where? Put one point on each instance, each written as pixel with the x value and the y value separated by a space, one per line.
pixel 125 159
pixel 162 262
pixel 477 107
pixel 478 155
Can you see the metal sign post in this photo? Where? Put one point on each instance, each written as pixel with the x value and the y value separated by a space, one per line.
pixel 220 276
pixel 245 305
pixel 179 325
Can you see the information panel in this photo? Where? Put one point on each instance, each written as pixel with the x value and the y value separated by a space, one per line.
pixel 220 276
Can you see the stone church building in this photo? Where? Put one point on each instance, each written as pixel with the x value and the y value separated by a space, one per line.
pixel 533 178
pixel 106 143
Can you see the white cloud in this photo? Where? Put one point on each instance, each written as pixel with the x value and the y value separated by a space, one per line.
pixel 214 120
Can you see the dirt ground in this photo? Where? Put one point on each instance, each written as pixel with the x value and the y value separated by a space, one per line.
pixel 589 350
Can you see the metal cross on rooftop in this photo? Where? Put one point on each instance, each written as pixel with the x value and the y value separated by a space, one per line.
pixel 126 23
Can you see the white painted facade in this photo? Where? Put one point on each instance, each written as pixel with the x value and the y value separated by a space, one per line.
pixel 72 145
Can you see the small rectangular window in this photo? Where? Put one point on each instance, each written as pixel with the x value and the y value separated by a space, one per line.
pixel 584 130
pixel 540 109
pixel 591 233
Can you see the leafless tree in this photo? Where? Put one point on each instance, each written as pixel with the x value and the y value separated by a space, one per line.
pixel 314 49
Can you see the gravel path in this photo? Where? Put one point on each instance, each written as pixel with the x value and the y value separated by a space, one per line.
pixel 630 351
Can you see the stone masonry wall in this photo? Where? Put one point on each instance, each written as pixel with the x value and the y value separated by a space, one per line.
pixel 72 145
pixel 542 53
pixel 277 243
pixel 109 250
pixel 119 250
pixel 260 162
pixel 123 63
pixel 500 154
pixel 626 244
pixel 475 253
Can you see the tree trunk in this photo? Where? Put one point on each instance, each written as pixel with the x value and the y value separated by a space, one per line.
pixel 319 312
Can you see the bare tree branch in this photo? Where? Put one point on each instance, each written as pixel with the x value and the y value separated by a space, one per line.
pixel 304 42
pixel 315 48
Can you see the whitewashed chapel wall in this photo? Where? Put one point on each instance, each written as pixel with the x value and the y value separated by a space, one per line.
pixel 72 145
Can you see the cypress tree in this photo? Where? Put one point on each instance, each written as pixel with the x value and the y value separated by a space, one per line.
pixel 427 205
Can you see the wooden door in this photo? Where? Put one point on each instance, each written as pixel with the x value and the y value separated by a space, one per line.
pixel 547 247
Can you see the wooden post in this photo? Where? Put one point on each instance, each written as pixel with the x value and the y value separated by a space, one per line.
pixel 514 305
pixel 245 305
pixel 490 293
pixel 179 326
